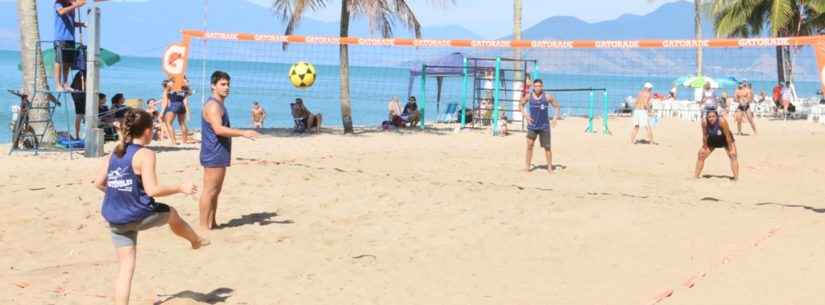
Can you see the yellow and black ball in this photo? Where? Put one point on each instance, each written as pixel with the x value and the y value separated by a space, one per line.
pixel 302 75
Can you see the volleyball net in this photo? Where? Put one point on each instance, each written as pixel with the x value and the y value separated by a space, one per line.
pixel 483 78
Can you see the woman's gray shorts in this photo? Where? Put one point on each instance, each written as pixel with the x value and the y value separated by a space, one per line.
pixel 125 235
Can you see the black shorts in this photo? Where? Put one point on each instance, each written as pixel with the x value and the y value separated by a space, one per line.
pixel 65 52
pixel 543 135
pixel 79 103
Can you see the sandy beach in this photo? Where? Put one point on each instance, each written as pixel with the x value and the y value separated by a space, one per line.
pixel 439 217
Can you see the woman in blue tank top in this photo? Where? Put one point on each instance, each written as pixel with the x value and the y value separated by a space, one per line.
pixel 130 184
pixel 717 134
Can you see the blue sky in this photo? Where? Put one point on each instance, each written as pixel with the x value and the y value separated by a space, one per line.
pixel 481 16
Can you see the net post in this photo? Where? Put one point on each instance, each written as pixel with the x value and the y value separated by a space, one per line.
pixel 591 106
pixel 606 112
pixel 423 94
pixel 464 95
pixel 496 88
pixel 93 143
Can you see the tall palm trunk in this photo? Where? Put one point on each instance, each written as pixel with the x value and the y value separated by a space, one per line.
pixel 780 64
pixel 517 36
pixel 697 11
pixel 34 76
pixel 346 106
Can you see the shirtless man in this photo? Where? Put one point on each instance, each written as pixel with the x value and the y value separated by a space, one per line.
pixel 258 115
pixel 744 97
pixel 640 113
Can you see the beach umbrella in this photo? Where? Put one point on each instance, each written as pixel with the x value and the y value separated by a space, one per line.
pixel 107 58
pixel 699 82
pixel 727 82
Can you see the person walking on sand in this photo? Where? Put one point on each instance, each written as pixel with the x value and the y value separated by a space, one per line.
pixel 716 133
pixel 129 180
pixel 216 148
pixel 641 116
pixel 538 124
pixel 258 115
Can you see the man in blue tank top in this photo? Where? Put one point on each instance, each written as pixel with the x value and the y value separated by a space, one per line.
pixel 216 147
pixel 65 50
pixel 538 122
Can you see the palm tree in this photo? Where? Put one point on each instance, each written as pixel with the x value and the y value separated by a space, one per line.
pixel 697 28
pixel 380 13
pixel 29 50
pixel 781 18
pixel 517 5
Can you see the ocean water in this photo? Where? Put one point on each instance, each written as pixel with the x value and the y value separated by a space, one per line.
pixel 371 88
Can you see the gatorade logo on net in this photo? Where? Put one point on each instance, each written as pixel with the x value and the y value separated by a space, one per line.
pixel 323 40
pixel 617 44
pixel 273 38
pixel 431 43
pixel 551 44
pixel 174 59
pixel 764 42
pixel 376 42
pixel 490 44
pixel 685 43
pixel 222 36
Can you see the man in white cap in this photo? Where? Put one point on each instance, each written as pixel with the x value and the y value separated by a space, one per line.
pixel 640 113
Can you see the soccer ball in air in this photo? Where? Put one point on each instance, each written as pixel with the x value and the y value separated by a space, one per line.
pixel 302 74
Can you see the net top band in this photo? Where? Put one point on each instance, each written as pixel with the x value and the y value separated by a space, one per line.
pixel 520 44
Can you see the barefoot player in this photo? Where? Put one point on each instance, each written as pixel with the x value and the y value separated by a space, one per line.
pixel 538 124
pixel 641 116
pixel 716 134
pixel 129 180
pixel 216 147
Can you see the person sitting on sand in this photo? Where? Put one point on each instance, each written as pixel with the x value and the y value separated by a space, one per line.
pixel 395 114
pixel 716 134
pixel 308 119
pixel 258 115
pixel 502 124
pixel 641 116
pixel 410 113
pixel 128 179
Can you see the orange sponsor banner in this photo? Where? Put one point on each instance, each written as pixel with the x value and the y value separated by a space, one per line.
pixel 819 48
pixel 527 44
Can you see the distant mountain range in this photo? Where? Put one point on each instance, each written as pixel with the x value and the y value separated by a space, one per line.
pixel 670 21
